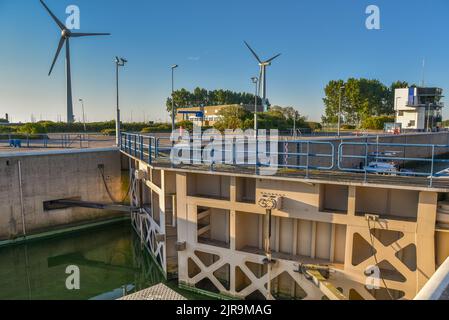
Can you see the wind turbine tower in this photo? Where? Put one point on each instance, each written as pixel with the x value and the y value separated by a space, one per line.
pixel 66 34
pixel 263 75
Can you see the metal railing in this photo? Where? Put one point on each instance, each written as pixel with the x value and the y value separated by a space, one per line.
pixel 364 153
pixel 140 146
pixel 437 288
pixel 300 156
pixel 17 140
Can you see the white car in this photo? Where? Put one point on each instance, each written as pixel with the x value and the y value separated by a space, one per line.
pixel 382 168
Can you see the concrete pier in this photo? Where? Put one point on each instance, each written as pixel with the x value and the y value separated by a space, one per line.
pixel 210 227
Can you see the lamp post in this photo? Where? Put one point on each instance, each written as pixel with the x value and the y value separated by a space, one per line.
pixel 339 111
pixel 84 116
pixel 119 62
pixel 173 112
pixel 255 80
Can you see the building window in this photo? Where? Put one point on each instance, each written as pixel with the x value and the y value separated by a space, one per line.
pixel 412 123
pixel 400 113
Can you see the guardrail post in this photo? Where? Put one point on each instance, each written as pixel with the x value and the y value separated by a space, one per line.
pixel 257 154
pixel 135 145
pixel 308 161
pixel 212 160
pixel 127 137
pixel 366 163
pixel 150 142
pixel 191 151
pixel 234 147
pixel 432 166
pixel 298 158
pixel 141 147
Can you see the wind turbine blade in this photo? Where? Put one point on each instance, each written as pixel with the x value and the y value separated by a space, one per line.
pixel 59 23
pixel 276 56
pixel 61 43
pixel 252 51
pixel 77 34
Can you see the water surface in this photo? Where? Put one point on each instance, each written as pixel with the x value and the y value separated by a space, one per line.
pixel 109 258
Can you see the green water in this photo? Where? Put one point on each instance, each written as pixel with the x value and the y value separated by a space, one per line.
pixel 109 259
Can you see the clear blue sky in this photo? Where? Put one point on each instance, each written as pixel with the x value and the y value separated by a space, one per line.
pixel 320 40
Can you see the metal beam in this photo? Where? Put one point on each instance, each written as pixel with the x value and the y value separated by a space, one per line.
pixel 92 205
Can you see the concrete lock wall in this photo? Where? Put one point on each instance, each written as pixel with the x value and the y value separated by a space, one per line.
pixel 54 176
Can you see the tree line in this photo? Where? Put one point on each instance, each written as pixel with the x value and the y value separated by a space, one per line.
pixel 360 99
pixel 106 127
pixel 281 118
pixel 203 97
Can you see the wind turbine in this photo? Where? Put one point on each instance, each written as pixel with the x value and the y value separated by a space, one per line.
pixel 66 34
pixel 263 75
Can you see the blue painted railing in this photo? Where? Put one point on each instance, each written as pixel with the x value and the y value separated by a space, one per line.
pixel 140 146
pixel 305 155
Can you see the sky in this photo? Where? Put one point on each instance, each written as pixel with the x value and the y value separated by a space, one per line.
pixel 320 40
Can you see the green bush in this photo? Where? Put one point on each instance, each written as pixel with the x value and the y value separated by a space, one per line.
pixel 108 132
pixel 158 127
pixel 147 130
pixel 187 125
pixel 376 123
pixel 314 125
pixel 32 128
pixel 6 129
pixel 348 127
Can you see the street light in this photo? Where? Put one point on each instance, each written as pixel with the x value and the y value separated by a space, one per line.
pixel 173 67
pixel 119 62
pixel 255 80
pixel 84 116
pixel 339 111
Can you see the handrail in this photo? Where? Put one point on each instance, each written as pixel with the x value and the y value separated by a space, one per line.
pixel 296 154
pixel 61 140
pixel 437 285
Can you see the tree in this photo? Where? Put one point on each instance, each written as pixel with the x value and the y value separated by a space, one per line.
pixel 395 85
pixel 200 96
pixel 290 115
pixel 182 98
pixel 376 122
pixel 232 117
pixel 332 100
pixel 185 99
pixel 360 99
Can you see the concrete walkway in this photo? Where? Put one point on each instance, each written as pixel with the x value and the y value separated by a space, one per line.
pixel 157 292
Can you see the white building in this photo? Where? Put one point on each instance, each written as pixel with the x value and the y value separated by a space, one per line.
pixel 419 108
